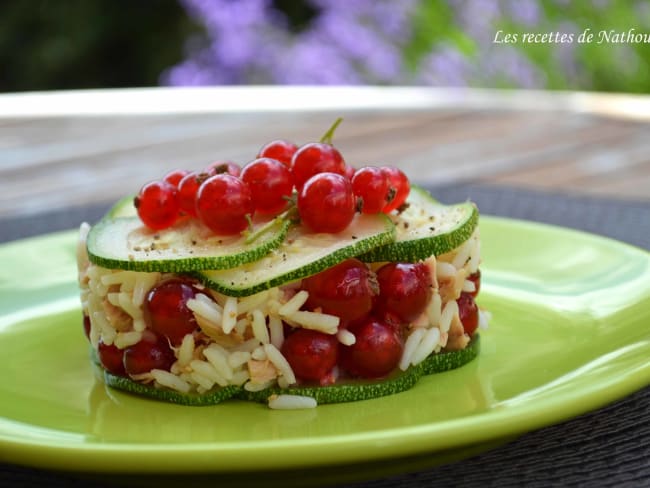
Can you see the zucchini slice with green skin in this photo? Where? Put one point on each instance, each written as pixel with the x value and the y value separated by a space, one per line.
pixel 355 390
pixel 126 384
pixel 122 208
pixel 349 391
pixel 302 254
pixel 426 228
pixel 125 243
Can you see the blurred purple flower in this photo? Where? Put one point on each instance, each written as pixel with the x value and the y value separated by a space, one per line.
pixel 445 67
pixel 642 10
pixel 508 65
pixel 394 18
pixel 361 42
pixel 526 12
pixel 477 17
pixel 312 62
pixel 248 41
pixel 237 32
pixel 565 54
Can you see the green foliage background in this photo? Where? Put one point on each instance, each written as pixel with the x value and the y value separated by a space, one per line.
pixel 49 44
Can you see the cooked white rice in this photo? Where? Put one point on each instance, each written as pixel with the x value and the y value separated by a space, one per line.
pixel 346 337
pixel 291 402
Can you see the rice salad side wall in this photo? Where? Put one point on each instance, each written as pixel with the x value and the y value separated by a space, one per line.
pixel 239 340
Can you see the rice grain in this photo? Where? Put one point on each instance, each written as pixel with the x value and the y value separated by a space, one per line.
pixel 126 339
pixel 346 337
pixel 280 362
pixel 294 304
pixel 260 331
pixel 165 378
pixel 276 331
pixel 411 344
pixel 325 323
pixel 218 360
pixel 229 315
pixel 448 313
pixel 291 402
pixel 426 346
pixel 207 369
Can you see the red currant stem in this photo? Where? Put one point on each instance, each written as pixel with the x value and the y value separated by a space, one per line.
pixel 292 209
pixel 249 219
pixel 359 204
pixel 392 192
pixel 329 135
pixel 291 199
pixel 251 235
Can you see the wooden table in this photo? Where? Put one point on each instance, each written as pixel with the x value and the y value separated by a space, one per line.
pixel 76 148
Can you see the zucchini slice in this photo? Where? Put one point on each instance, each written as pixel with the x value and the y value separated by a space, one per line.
pixel 212 397
pixel 348 391
pixel 426 228
pixel 354 390
pixel 125 243
pixel 122 208
pixel 302 254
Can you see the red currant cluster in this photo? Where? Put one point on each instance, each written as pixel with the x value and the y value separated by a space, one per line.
pixel 225 197
pixel 376 308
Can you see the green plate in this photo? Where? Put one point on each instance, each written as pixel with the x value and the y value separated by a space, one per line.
pixel 569 334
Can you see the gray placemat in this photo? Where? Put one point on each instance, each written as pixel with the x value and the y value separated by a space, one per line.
pixel 606 448
pixel 627 221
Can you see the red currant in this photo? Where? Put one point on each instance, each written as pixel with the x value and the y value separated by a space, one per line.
pixel 315 158
pixel 349 172
pixel 279 150
pixel 86 323
pixel 404 289
pixel 111 358
pixel 346 290
pixel 224 203
pixel 399 186
pixel 223 167
pixel 174 177
pixel 311 354
pixel 187 190
pixel 371 185
pixel 158 205
pixel 468 312
pixel 166 309
pixel 476 279
pixel 270 183
pixel 376 352
pixel 150 353
pixel 326 203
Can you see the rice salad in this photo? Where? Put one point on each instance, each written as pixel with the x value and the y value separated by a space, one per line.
pixel 239 341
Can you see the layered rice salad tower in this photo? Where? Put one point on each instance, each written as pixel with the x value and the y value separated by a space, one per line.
pixel 295 280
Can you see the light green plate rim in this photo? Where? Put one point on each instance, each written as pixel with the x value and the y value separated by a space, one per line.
pixel 570 333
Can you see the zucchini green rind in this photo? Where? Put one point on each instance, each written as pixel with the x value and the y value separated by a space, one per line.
pixel 123 383
pixel 351 391
pixel 125 243
pixel 170 396
pixel 426 228
pixel 356 390
pixel 302 254
pixel 122 208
